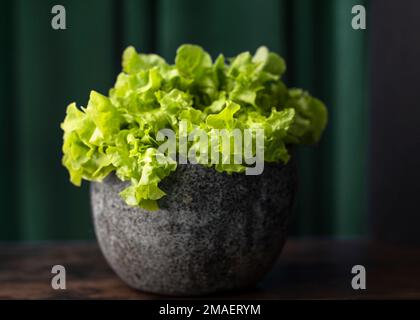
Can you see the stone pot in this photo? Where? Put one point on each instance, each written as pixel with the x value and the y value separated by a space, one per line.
pixel 213 231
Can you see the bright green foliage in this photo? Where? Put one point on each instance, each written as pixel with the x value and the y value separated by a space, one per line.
pixel 119 133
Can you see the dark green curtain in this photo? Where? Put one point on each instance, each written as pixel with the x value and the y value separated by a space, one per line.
pixel 43 70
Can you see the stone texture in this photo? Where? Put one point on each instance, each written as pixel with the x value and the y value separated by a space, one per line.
pixel 213 231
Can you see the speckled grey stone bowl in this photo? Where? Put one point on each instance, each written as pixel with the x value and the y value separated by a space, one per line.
pixel 213 232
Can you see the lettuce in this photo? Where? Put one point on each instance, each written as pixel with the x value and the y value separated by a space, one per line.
pixel 119 132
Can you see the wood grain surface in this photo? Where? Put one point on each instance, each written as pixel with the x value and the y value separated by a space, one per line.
pixel 307 269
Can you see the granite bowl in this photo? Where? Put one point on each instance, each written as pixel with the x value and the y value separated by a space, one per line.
pixel 213 231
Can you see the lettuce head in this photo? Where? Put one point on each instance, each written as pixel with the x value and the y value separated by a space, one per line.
pixel 118 132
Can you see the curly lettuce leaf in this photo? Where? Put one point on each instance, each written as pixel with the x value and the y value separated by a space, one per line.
pixel 118 133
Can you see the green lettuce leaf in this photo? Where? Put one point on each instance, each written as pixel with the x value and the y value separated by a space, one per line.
pixel 118 133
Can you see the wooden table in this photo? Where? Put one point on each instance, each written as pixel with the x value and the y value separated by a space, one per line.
pixel 307 269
